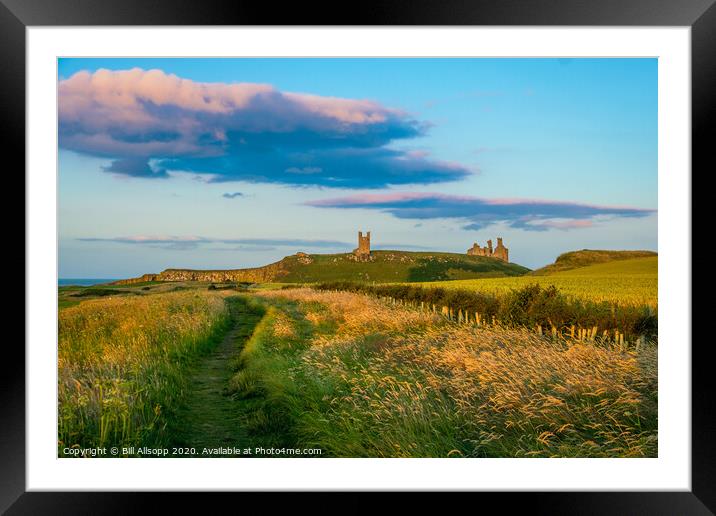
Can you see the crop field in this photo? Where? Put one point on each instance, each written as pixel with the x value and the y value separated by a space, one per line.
pixel 357 377
pixel 624 282
pixel 121 364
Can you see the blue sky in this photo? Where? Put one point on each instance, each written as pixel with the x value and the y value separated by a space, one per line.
pixel 223 163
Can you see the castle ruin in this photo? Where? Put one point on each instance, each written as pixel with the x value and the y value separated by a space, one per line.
pixel 500 252
pixel 363 249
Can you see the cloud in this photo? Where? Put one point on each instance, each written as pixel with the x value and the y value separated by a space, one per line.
pixel 478 213
pixel 246 248
pixel 240 131
pixel 192 242
pixel 135 167
pixel 232 195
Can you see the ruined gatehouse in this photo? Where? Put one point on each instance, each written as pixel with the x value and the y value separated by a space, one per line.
pixel 500 252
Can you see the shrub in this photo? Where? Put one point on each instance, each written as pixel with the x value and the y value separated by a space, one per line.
pixel 527 306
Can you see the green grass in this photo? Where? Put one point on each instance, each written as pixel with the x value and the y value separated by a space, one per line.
pixel 209 418
pixel 132 285
pixel 383 267
pixel 272 396
pixel 392 266
pixel 123 365
pixel 624 282
pixel 102 292
pixel 586 257
pixel 66 303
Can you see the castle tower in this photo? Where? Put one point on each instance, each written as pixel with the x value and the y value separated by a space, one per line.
pixel 363 249
pixel 501 252
pixel 489 248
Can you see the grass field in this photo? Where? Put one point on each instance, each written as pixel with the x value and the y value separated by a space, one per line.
pixel 586 257
pixel 358 375
pixel 626 282
pixel 358 378
pixel 122 363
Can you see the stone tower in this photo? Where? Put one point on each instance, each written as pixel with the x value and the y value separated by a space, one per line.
pixel 363 249
pixel 501 251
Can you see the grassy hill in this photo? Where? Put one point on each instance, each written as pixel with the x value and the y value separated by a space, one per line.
pixel 586 257
pixel 382 267
pixel 391 266
pixel 625 282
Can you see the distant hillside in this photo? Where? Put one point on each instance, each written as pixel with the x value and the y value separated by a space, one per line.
pixel 383 266
pixel 585 257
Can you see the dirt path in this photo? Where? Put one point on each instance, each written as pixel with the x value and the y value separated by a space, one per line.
pixel 209 417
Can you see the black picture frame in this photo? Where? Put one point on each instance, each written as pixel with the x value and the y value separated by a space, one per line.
pixel 700 15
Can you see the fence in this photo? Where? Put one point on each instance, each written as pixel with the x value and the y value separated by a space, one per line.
pixel 543 310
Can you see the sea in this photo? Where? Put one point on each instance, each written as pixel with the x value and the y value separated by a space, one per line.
pixel 84 282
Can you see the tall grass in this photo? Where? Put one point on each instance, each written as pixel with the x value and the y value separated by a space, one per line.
pixel 528 306
pixel 122 364
pixel 359 378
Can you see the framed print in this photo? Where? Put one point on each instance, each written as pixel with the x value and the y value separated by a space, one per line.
pixel 429 249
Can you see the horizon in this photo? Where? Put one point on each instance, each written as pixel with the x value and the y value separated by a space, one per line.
pixel 237 163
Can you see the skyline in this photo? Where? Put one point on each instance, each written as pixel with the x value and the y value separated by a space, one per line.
pixel 230 163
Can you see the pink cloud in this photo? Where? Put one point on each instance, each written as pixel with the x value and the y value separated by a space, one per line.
pixel 367 199
pixel 565 225
pixel 240 131
pixel 114 109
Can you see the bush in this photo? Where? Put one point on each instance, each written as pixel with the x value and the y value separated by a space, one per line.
pixel 527 306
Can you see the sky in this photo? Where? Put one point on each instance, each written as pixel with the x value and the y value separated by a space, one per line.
pixel 230 163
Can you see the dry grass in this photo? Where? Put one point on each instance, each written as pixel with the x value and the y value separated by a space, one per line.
pixel 401 382
pixel 121 363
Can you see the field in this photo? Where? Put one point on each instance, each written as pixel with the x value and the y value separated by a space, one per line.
pixel 586 257
pixel 551 365
pixel 358 378
pixel 122 362
pixel 348 374
pixel 624 282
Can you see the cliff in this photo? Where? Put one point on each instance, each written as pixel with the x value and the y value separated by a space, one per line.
pixel 267 273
